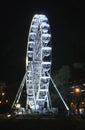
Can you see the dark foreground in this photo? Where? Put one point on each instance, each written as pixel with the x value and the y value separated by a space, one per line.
pixel 57 123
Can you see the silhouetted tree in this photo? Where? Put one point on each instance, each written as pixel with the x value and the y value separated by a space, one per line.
pixel 61 79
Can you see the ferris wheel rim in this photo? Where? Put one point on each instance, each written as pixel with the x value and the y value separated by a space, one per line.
pixel 39 25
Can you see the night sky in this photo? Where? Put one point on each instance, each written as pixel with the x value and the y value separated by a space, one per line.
pixel 67 28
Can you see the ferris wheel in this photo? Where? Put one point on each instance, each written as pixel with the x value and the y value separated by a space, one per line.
pixel 38 69
pixel 38 63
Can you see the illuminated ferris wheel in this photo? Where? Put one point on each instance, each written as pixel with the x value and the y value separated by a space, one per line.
pixel 38 70
pixel 38 63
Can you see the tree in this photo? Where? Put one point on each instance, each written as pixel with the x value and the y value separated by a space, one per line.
pixel 61 78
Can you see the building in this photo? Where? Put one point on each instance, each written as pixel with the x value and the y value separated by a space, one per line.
pixel 77 97
pixel 4 100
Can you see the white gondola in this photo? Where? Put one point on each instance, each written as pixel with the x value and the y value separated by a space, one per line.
pixel 45 27
pixel 46 51
pixel 32 36
pixel 46 38
pixel 34 28
pixel 31 44
pixel 46 66
pixel 30 54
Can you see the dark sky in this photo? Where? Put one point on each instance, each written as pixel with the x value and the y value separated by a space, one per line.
pixel 67 29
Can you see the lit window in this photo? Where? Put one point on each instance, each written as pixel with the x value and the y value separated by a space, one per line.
pixel 6 100
pixel 77 90
pixel 2 93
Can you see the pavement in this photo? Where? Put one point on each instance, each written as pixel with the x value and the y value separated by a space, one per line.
pixel 44 123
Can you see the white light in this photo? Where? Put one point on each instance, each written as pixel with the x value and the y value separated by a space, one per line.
pixel 44 27
pixel 8 115
pixel 46 38
pixel 46 51
pixel 84 84
pixel 31 44
pixel 43 18
pixel 46 66
pixel 30 53
pixel 34 28
pixel 32 35
pixel 18 105
pixel 45 79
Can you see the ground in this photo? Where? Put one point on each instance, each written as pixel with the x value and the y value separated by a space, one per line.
pixel 59 123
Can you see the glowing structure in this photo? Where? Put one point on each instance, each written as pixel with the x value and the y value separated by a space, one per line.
pixel 38 63
pixel 38 67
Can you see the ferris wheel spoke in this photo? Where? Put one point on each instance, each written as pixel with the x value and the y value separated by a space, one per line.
pixel 38 62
